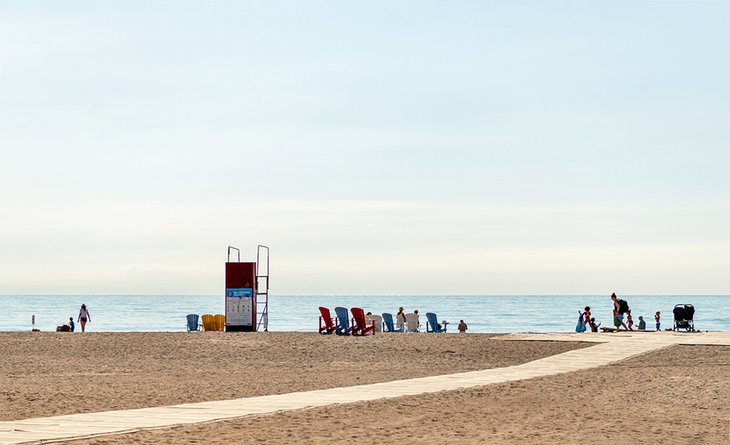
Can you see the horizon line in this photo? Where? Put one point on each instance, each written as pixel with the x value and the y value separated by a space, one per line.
pixel 368 295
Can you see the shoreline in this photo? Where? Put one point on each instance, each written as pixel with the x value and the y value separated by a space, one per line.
pixel 491 314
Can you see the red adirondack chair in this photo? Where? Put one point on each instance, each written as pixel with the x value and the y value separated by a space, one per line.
pixel 361 328
pixel 326 324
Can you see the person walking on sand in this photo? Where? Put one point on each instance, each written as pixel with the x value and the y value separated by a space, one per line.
pixel 658 320
pixel 84 317
pixel 620 307
pixel 462 327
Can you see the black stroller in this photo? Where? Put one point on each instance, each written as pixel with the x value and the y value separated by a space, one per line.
pixel 683 317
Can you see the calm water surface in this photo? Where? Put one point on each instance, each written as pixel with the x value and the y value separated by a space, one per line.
pixel 493 313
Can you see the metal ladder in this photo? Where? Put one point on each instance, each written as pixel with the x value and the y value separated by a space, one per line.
pixel 262 297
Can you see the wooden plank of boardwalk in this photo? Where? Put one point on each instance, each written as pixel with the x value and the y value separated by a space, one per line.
pixel 610 348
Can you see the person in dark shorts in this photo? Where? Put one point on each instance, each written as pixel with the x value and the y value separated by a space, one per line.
pixel 620 307
pixel 84 317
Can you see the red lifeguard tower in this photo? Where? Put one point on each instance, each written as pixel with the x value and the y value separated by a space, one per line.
pixel 247 292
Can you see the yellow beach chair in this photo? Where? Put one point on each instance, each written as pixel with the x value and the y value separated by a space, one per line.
pixel 220 322
pixel 208 322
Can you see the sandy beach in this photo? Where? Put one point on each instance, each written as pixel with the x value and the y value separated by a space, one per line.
pixel 47 374
pixel 675 395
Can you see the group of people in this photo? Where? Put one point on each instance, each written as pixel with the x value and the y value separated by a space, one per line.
pixel 400 318
pixel 622 311
pixel 83 318
pixel 621 318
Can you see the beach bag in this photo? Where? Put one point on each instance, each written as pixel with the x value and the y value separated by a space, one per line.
pixel 623 306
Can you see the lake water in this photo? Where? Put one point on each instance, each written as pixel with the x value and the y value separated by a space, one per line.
pixel 490 313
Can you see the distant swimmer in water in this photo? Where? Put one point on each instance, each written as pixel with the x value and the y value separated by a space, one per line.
pixel 84 317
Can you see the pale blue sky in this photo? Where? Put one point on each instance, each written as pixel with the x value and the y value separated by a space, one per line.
pixel 377 147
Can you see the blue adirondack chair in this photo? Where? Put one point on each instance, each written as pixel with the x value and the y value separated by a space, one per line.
pixel 343 321
pixel 388 323
pixel 193 324
pixel 433 325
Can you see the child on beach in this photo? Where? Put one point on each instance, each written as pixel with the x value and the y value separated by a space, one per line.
pixel 629 321
pixel 594 326
pixel 642 323
pixel 657 318
pixel 71 324
pixel 584 319
pixel 462 327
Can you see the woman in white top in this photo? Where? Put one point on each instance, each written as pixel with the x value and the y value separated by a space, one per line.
pixel 84 317
pixel 400 319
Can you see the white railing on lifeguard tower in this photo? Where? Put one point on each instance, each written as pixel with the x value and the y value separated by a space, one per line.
pixel 262 289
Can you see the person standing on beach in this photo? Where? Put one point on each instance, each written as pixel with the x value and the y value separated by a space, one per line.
pixel 620 307
pixel 462 327
pixel 658 319
pixel 587 316
pixel 84 317
pixel 400 318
